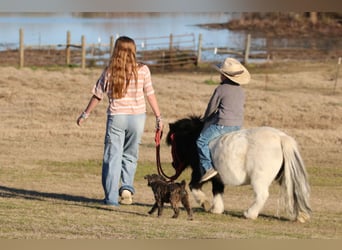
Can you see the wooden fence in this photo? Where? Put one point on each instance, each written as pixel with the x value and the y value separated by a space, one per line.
pixel 162 52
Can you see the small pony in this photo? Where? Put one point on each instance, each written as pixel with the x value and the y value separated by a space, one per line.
pixel 173 193
pixel 256 156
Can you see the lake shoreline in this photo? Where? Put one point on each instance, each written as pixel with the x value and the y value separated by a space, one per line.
pixel 282 25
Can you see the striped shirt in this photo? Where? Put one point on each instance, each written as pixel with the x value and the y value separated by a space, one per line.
pixel 134 100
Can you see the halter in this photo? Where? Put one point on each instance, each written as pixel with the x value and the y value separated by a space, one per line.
pixel 179 168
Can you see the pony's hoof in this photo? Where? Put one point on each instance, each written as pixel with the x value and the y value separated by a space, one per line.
pixel 249 216
pixel 206 206
pixel 217 210
pixel 303 217
pixel 301 220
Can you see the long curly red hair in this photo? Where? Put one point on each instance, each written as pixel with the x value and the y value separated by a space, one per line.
pixel 122 67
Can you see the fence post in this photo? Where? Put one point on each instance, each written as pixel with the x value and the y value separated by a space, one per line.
pixel 67 48
pixel 21 48
pixel 199 49
pixel 83 62
pixel 247 48
pixel 337 71
pixel 170 49
pixel 111 45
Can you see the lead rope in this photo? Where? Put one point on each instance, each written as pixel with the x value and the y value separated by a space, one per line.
pixel 157 139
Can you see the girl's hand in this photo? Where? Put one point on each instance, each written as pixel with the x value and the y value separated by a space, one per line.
pixel 82 118
pixel 159 123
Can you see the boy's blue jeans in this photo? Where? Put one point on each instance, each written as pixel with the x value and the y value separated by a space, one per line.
pixel 207 135
pixel 121 150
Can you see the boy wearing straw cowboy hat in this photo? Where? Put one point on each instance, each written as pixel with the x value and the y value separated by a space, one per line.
pixel 225 111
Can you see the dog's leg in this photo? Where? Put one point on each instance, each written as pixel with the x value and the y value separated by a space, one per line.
pixel 186 204
pixel 175 207
pixel 155 206
pixel 160 208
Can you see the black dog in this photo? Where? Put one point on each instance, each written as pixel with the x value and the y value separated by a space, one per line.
pixel 173 193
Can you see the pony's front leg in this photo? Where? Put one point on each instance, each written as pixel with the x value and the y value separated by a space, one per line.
pixel 218 206
pixel 201 198
pixel 217 189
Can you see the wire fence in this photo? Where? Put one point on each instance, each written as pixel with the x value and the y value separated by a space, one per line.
pixel 172 51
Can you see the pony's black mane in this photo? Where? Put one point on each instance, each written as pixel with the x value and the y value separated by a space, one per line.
pixel 189 128
pixel 182 138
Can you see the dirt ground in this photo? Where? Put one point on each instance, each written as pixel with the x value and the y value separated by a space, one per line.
pixel 39 108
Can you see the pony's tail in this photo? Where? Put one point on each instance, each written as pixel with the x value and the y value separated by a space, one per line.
pixel 294 181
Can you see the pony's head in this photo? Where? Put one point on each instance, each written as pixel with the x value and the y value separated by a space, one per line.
pixel 182 138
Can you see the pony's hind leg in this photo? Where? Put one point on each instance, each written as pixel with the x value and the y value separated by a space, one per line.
pixel 261 194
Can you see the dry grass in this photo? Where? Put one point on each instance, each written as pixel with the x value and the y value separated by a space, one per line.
pixel 50 169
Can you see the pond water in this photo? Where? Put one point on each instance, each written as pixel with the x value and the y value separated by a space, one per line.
pixel 41 29
pixel 51 28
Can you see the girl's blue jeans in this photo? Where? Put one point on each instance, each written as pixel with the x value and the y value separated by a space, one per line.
pixel 121 150
pixel 207 135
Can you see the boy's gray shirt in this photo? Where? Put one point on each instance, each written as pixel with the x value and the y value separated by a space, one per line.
pixel 226 105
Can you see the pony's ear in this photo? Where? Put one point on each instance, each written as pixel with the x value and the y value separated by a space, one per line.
pixel 171 125
pixel 171 131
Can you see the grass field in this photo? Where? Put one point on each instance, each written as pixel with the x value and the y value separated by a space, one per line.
pixel 50 169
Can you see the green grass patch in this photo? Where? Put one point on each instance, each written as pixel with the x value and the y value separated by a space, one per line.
pixel 90 166
pixel 325 176
pixel 211 82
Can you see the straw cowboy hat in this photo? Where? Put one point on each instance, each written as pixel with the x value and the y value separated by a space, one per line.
pixel 234 70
